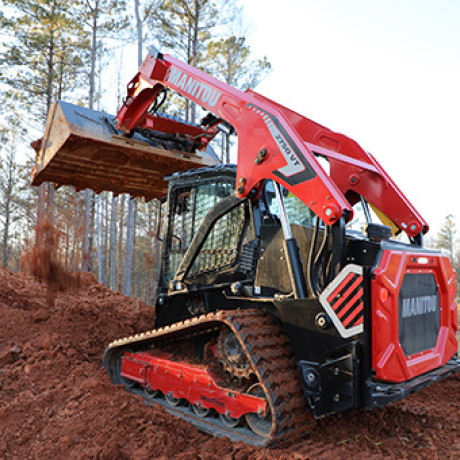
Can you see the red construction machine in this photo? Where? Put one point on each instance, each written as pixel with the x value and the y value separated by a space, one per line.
pixel 272 310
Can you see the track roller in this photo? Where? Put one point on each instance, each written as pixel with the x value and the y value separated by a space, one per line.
pixel 150 394
pixel 172 401
pixel 200 411
pixel 229 421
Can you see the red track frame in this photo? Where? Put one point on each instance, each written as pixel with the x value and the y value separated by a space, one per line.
pixel 274 143
pixel 193 383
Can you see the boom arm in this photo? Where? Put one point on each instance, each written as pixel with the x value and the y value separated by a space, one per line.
pixel 273 143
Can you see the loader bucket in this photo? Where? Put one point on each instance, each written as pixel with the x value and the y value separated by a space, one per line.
pixel 81 147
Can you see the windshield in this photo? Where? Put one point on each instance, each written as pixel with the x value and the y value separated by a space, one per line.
pixel 297 211
pixel 359 221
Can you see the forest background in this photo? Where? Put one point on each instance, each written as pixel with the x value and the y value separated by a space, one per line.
pixel 73 50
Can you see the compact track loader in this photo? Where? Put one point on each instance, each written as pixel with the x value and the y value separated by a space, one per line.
pixel 272 311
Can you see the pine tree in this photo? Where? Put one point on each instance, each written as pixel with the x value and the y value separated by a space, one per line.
pixel 42 53
pixel 185 28
pixel 41 61
pixel 12 183
pixel 446 236
pixel 229 59
pixel 8 184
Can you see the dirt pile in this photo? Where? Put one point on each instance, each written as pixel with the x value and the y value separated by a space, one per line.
pixel 41 260
pixel 57 402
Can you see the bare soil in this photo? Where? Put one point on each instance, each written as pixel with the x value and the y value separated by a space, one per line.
pixel 56 401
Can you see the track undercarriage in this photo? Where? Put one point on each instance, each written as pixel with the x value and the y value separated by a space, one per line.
pixel 228 373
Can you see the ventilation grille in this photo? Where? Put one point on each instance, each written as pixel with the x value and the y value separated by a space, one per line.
pixel 419 313
pixel 343 301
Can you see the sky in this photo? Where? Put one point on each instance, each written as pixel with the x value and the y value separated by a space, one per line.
pixel 385 73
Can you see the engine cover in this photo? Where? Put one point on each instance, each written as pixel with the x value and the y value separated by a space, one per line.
pixel 414 314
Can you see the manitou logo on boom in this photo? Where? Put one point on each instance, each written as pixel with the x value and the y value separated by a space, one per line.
pixel 414 306
pixel 194 88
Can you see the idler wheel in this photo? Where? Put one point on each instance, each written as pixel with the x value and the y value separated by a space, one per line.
pixel 128 383
pixel 259 424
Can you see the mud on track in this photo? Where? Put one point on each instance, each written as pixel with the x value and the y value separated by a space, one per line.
pixel 57 402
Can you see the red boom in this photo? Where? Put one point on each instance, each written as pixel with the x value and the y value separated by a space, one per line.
pixel 273 143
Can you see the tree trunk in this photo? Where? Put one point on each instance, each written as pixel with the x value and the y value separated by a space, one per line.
pixel 92 73
pixel 120 242
pixel 100 261
pixel 113 243
pixel 49 99
pixel 88 193
pixel 50 204
pixel 67 242
pixel 105 245
pixel 139 32
pixel 86 230
pixel 129 246
pixel 132 204
pixel 8 194
pixel 73 263
pixel 91 232
pixel 196 22
pixel 156 269
pixel 6 228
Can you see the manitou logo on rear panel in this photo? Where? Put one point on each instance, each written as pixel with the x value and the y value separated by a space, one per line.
pixel 194 88
pixel 414 306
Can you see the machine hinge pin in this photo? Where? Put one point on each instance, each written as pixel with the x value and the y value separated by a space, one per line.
pixel 260 156
pixel 241 184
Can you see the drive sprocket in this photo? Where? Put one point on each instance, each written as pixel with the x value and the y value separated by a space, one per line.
pixel 232 355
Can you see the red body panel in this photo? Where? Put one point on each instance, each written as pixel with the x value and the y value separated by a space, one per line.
pixel 193 383
pixel 287 138
pixel 388 358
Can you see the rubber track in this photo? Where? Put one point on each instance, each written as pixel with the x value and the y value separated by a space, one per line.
pixel 268 350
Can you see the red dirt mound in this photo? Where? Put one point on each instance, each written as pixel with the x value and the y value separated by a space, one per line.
pixel 56 401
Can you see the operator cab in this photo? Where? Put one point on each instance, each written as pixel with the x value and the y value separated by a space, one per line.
pixel 243 244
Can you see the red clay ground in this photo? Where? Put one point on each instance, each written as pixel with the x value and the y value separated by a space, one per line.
pixel 57 402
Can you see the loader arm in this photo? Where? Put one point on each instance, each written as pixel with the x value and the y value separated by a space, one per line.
pixel 274 143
